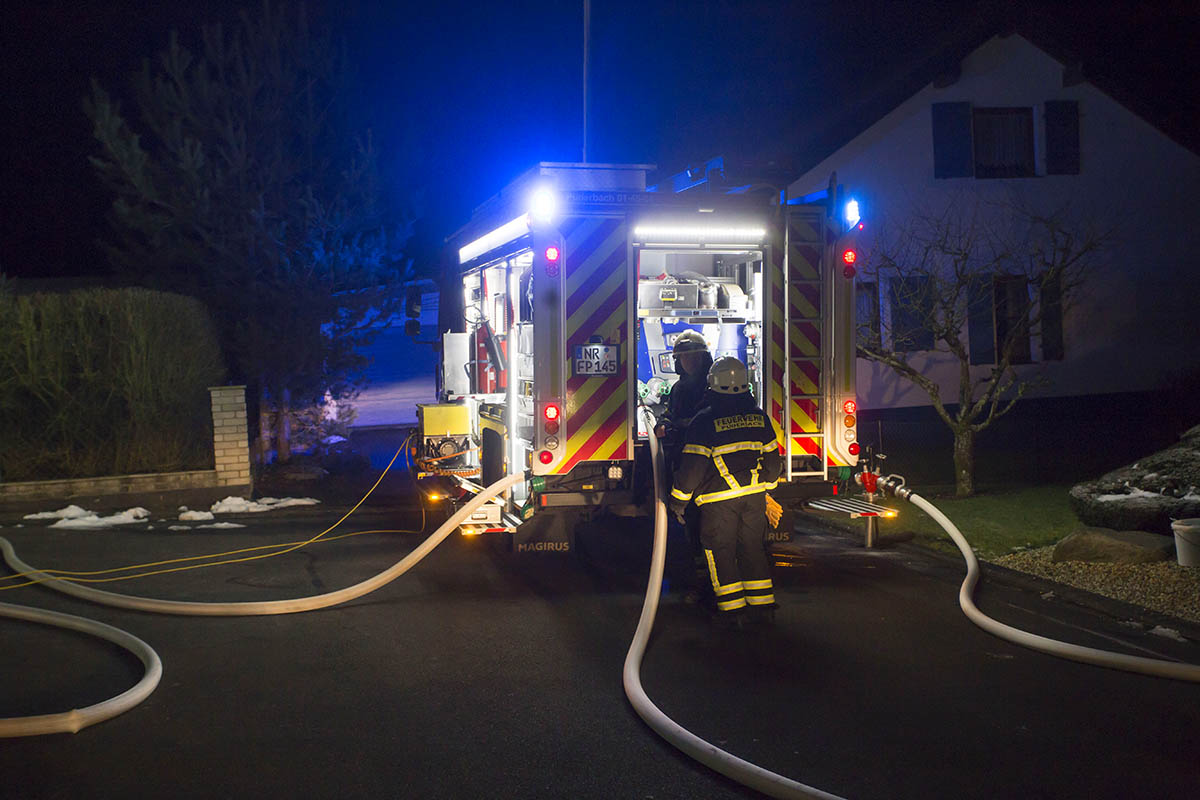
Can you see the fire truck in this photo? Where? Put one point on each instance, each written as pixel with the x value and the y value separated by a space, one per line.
pixel 561 300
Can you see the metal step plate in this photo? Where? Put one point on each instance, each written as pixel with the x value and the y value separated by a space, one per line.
pixel 852 506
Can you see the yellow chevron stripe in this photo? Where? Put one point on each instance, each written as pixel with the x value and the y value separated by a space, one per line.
pixel 803 382
pixel 801 306
pixel 800 417
pixel 800 342
pixel 601 294
pixel 589 426
pixel 580 273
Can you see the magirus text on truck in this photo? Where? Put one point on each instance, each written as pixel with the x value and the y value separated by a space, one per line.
pixel 561 300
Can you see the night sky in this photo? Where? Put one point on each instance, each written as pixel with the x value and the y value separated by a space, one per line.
pixel 463 96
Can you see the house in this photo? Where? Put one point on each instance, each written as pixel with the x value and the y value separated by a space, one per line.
pixel 1012 122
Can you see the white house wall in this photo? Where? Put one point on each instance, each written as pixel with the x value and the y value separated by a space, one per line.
pixel 1136 320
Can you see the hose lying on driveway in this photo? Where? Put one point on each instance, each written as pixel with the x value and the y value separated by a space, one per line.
pixel 79 718
pixel 1088 655
pixel 73 721
pixel 710 755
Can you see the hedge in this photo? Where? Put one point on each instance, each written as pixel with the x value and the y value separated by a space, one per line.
pixel 105 382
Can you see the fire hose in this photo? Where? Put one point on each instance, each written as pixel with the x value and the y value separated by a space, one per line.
pixel 706 753
pixel 77 719
pixel 894 484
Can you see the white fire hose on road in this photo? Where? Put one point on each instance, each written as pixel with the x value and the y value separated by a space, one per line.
pixel 77 719
pixel 1087 655
pixel 710 755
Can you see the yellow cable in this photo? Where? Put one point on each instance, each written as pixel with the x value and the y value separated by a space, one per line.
pixel 289 548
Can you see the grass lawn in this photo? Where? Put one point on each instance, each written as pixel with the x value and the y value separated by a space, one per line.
pixel 996 521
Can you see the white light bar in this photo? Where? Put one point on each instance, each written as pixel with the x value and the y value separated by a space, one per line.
pixel 698 233
pixel 493 239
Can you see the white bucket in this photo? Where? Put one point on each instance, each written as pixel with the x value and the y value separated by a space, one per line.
pixel 1187 541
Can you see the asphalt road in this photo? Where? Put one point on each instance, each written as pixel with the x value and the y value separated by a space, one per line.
pixel 477 676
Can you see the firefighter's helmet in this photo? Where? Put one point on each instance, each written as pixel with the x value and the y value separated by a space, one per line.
pixel 728 375
pixel 689 342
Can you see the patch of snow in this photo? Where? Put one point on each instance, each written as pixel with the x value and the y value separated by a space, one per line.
pixel 193 516
pixel 183 508
pixel 179 527
pixel 126 517
pixel 1133 494
pixel 222 525
pixel 1132 623
pixel 240 505
pixel 1167 633
pixel 70 512
pixel 334 439
pixel 1047 595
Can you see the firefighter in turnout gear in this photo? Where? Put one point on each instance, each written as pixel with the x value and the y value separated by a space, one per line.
pixel 730 459
pixel 688 396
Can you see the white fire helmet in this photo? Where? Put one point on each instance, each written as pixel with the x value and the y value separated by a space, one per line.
pixel 728 375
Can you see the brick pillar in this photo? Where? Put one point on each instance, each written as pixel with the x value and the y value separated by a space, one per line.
pixel 231 451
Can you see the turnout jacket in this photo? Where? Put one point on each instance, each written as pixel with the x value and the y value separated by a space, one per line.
pixel 730 450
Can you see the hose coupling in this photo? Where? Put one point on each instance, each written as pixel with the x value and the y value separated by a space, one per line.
pixel 895 484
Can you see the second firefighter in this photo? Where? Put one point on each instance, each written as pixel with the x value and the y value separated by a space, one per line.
pixel 730 459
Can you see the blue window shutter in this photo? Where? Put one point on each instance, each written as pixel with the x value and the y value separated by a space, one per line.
pixel 981 325
pixel 1062 137
pixel 952 155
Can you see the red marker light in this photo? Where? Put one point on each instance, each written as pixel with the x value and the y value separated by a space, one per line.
pixel 849 256
pixel 550 412
pixel 862 225
pixel 552 254
pixel 850 407
pixel 852 449
pixel 545 456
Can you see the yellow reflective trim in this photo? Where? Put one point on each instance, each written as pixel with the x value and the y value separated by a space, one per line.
pixel 697 450
pixel 771 445
pixel 730 605
pixel 678 495
pixel 715 497
pixel 760 599
pixel 724 472
pixel 735 447
pixel 718 589
pixel 765 584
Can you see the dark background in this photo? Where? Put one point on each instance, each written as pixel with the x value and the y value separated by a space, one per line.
pixel 462 96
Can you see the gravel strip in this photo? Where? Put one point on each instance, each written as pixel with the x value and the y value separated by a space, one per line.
pixel 1161 586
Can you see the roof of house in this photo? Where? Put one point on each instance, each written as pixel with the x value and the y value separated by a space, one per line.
pixel 1145 86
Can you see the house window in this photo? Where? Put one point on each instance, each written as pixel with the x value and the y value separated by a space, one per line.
pixel 1003 142
pixel 1052 319
pixel 1011 293
pixel 997 305
pixel 911 305
pixel 866 311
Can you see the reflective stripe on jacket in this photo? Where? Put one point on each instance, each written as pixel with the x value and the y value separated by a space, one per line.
pixel 730 451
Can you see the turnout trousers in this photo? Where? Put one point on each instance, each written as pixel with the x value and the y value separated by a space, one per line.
pixel 732 534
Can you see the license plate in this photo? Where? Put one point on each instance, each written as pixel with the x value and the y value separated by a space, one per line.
pixel 596 359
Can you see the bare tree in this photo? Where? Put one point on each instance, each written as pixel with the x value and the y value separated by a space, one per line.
pixel 978 281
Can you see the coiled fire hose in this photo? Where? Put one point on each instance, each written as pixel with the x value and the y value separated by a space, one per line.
pixel 710 755
pixel 894 484
pixel 77 719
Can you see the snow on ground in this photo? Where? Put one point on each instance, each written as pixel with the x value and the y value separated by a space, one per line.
pixel 126 517
pixel 240 505
pixel 80 518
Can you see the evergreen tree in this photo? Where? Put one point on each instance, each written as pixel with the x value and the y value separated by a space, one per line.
pixel 239 181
